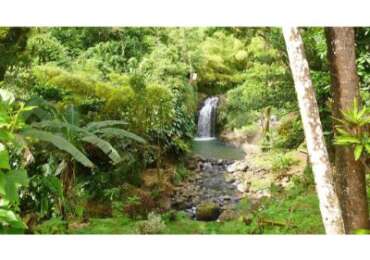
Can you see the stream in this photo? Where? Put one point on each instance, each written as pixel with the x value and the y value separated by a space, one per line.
pixel 211 158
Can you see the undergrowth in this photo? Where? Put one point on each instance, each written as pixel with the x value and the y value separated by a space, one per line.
pixel 295 211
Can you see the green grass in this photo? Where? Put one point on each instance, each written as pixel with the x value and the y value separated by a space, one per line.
pixel 298 215
pixel 119 225
pixel 123 225
pixel 292 213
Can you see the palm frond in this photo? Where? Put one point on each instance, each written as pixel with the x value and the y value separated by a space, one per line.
pixel 72 115
pixel 105 146
pixel 120 133
pixel 60 143
pixel 56 124
pixel 101 124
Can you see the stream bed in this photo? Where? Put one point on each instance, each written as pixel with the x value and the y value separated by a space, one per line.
pixel 208 190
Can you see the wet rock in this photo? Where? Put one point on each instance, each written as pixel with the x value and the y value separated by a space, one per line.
pixel 190 212
pixel 207 167
pixel 207 211
pixel 229 178
pixel 238 166
pixel 226 197
pixel 243 187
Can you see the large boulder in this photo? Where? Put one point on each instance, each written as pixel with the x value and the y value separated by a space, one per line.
pixel 207 211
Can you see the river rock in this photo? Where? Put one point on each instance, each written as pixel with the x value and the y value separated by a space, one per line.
pixel 243 187
pixel 207 211
pixel 237 166
pixel 207 167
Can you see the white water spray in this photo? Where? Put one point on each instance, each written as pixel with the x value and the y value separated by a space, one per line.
pixel 207 119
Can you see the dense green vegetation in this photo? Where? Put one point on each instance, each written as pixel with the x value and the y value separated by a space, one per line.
pixel 85 112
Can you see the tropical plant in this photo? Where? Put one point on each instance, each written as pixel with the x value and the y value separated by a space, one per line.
pixel 67 135
pixel 353 131
pixel 12 172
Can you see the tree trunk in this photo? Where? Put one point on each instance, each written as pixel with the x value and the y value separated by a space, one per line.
pixel 329 204
pixel 349 174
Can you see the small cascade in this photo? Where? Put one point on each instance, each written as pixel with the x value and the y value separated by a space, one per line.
pixel 207 119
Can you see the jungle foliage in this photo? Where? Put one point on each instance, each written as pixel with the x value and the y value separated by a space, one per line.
pixel 85 111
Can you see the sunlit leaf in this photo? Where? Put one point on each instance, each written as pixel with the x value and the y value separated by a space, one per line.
pixel 358 151
pixel 4 157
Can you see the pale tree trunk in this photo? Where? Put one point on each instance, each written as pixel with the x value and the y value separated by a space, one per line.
pixel 349 174
pixel 329 204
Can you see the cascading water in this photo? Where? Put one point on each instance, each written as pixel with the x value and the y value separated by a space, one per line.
pixel 206 144
pixel 207 119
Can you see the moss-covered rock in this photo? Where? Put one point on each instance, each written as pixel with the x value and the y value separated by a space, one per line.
pixel 207 211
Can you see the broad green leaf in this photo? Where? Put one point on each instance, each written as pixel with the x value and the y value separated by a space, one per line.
pixel 72 115
pixel 120 133
pixel 96 125
pixel 10 181
pixel 16 225
pixel 4 203
pixel 4 157
pixel 367 147
pixel 346 140
pixel 7 215
pixel 358 151
pixel 105 146
pixel 342 131
pixel 61 144
pixel 19 176
pixel 2 183
pixel 11 190
pixel 56 124
pixel 5 136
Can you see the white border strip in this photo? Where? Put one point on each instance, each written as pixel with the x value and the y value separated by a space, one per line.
pixel 184 12
pixel 185 247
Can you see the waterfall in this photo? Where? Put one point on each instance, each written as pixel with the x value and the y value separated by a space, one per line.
pixel 207 119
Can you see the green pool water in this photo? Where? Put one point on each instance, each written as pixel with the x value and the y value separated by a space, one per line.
pixel 215 149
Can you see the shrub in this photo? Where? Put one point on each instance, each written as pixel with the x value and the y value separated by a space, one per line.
pixel 282 162
pixel 250 130
pixel 290 132
pixel 45 48
pixel 153 225
pixel 52 226
pixel 138 204
pixel 180 174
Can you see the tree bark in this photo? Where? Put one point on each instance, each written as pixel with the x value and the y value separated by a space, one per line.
pixel 329 204
pixel 349 174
